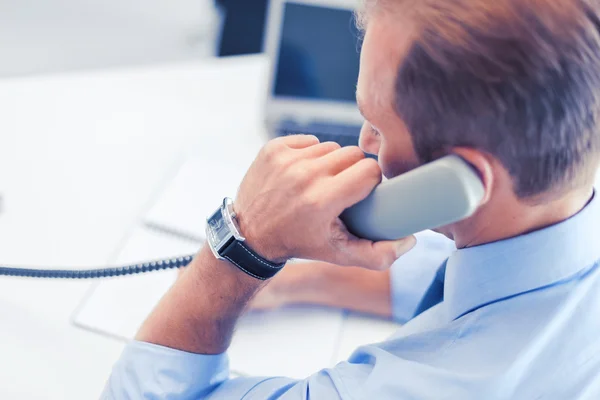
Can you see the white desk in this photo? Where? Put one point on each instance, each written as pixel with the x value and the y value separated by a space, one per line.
pixel 80 158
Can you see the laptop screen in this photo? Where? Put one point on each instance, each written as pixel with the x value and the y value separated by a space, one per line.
pixel 318 53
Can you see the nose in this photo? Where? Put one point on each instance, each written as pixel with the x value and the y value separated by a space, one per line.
pixel 368 141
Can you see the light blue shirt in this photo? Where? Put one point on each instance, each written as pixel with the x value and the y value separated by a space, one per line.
pixel 515 319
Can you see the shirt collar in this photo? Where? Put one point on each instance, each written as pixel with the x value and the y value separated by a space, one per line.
pixel 481 275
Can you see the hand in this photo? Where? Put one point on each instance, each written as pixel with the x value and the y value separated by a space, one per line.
pixel 289 203
pixel 292 285
pixel 327 285
pixel 272 296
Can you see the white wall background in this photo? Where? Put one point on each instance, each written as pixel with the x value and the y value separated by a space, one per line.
pixel 39 36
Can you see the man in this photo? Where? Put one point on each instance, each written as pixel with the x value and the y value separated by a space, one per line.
pixel 512 87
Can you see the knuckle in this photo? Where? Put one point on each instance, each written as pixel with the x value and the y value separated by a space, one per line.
pixel 269 149
pixel 298 173
pixel 303 174
pixel 277 142
pixel 273 153
pixel 313 201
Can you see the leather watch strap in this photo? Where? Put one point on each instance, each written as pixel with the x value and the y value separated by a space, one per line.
pixel 248 261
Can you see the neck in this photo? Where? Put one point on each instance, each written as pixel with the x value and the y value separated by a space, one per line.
pixel 509 217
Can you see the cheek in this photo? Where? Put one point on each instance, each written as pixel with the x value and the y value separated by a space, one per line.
pixel 396 160
pixel 386 162
pixel 397 154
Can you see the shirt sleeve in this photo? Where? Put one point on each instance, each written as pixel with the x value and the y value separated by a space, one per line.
pixel 412 274
pixel 152 372
pixel 149 371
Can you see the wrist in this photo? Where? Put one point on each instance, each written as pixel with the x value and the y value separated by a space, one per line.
pixel 269 248
pixel 222 275
pixel 227 242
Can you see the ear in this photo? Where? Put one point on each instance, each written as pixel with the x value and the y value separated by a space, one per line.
pixel 482 162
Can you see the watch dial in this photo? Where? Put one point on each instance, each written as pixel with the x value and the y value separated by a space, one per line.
pixel 218 228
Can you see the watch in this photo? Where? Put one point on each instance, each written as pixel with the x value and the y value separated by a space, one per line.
pixel 227 243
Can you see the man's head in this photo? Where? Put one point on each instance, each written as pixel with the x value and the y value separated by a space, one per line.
pixel 513 86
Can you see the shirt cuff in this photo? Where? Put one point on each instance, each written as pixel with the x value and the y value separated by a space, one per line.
pixel 148 370
pixel 412 274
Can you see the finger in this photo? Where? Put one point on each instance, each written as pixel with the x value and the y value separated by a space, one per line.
pixel 353 184
pixel 320 149
pixel 377 256
pixel 339 160
pixel 299 141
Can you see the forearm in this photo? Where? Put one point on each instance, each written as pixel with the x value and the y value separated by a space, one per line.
pixel 199 312
pixel 352 288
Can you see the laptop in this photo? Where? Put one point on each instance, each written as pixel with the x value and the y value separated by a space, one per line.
pixel 314 47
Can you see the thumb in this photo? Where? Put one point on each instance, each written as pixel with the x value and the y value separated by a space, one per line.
pixel 378 256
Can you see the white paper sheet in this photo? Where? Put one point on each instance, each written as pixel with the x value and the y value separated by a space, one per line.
pixel 199 188
pixel 294 342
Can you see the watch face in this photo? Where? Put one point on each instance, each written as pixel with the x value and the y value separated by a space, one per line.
pixel 219 231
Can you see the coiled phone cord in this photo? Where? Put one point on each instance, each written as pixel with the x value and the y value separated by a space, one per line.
pixel 175 262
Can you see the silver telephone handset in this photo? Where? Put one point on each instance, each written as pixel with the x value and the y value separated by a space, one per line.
pixel 436 194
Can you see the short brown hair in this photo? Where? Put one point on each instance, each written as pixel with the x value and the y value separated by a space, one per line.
pixel 519 79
